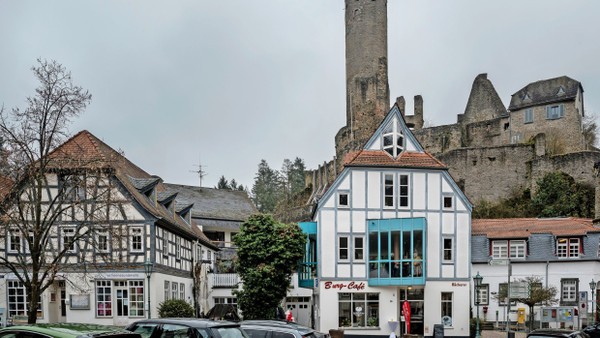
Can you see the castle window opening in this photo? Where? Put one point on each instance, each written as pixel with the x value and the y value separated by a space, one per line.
pixel 506 126
pixel 528 117
pixel 555 111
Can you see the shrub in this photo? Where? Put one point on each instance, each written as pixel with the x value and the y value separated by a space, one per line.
pixel 175 308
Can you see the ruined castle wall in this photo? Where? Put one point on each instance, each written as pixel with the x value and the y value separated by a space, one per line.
pixel 490 133
pixel 489 173
pixel 440 139
pixel 579 165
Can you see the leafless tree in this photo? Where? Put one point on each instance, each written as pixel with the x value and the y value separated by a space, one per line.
pixel 43 186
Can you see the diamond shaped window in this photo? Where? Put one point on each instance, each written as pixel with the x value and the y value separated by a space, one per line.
pixel 393 139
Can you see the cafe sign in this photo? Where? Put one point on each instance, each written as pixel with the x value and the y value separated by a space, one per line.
pixel 354 286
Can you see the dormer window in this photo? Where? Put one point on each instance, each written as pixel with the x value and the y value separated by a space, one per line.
pixel 526 98
pixel 393 139
pixel 561 91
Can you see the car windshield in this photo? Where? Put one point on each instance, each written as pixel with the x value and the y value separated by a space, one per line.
pixel 229 332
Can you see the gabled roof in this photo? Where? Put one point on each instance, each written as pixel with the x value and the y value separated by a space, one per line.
pixel 544 92
pixel 524 227
pixel 85 150
pixel 378 158
pixel 215 203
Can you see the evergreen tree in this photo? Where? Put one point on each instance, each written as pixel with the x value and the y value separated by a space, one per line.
pixel 266 189
pixel 268 254
pixel 222 184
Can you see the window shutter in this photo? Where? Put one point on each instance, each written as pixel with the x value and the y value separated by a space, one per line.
pixel 547 112
pixel 562 110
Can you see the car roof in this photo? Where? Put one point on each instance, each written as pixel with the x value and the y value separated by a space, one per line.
pixel 192 322
pixel 70 329
pixel 553 332
pixel 277 323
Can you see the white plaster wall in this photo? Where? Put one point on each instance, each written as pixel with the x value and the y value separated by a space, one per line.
pixel 344 183
pixel 462 246
pixel 359 222
pixel 448 223
pixel 343 220
pixel 374 185
pixel 418 190
pixel 358 189
pixel 433 191
pixel 433 245
pixel 328 241
pixel 433 307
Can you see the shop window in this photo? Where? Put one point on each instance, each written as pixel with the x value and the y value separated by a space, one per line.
pixel 18 301
pixel 568 247
pixel 447 308
pixel 358 309
pixel 136 298
pixel 104 298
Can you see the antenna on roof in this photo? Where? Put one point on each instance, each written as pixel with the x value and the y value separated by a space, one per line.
pixel 200 172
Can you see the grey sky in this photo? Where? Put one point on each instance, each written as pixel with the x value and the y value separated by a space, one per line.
pixel 230 82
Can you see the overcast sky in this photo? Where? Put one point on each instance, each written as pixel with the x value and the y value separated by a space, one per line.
pixel 230 82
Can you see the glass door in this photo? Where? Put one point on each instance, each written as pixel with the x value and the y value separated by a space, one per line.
pixel 415 298
pixel 122 298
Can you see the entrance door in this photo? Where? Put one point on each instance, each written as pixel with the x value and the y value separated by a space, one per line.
pixel 122 298
pixel 415 298
pixel 62 318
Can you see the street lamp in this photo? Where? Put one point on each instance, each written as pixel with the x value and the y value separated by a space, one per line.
pixel 593 287
pixel 477 279
pixel 148 269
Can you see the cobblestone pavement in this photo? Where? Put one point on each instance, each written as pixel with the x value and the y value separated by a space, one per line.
pixel 500 334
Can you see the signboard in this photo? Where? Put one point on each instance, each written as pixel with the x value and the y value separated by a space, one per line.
pixel 80 302
pixel 558 314
pixel 498 262
pixel 519 290
pixel 583 309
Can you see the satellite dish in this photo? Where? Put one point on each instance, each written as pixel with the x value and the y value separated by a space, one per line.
pixel 447 321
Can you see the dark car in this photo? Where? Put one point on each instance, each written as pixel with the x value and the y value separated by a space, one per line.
pixel 593 331
pixel 65 330
pixel 278 329
pixel 186 328
pixel 556 333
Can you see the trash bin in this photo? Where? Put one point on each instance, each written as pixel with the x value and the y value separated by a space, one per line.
pixel 438 331
pixel 511 334
pixel 333 333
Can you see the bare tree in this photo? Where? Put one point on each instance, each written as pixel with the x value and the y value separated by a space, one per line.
pixel 44 186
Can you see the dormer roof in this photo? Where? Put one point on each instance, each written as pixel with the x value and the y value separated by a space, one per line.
pixel 524 227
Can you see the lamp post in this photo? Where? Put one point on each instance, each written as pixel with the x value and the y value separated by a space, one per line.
pixel 477 279
pixel 148 269
pixel 593 288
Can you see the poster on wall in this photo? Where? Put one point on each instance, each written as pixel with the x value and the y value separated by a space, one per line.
pixel 80 302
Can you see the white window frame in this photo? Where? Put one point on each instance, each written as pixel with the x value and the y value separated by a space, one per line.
pixel 133 232
pixel 343 248
pixel 568 290
pixel 518 248
pixel 178 247
pixel 174 290
pixel 499 249
pixel 16 300
pixel 356 248
pixel 165 243
pixel 68 232
pixel 446 249
pixel 181 291
pixel 528 116
pixel 136 303
pixel 402 195
pixel 99 235
pixel 343 193
pixel 568 247
pixel 167 290
pixel 448 197
pixel 104 297
pixel 386 197
pixel 15 241
pixel 484 294
pixel 451 302
pixel 397 145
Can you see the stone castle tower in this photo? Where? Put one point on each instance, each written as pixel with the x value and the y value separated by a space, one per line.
pixel 367 89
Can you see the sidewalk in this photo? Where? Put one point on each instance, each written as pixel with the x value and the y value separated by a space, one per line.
pixel 500 334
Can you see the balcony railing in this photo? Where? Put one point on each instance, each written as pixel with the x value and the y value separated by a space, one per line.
pixel 307 272
pixel 225 280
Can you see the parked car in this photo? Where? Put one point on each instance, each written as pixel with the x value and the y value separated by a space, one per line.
pixel 593 331
pixel 186 327
pixel 278 329
pixel 556 333
pixel 65 330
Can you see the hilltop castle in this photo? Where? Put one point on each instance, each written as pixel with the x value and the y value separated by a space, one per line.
pixel 491 151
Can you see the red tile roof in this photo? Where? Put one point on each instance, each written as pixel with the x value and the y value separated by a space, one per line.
pixel 379 158
pixel 524 227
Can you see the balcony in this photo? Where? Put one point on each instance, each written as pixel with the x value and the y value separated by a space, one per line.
pixel 225 280
pixel 307 270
